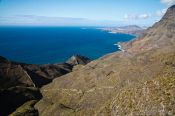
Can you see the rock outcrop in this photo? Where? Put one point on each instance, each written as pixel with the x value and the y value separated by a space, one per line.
pixel 138 81
pixel 78 60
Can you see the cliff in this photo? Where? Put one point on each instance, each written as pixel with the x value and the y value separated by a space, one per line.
pixel 138 81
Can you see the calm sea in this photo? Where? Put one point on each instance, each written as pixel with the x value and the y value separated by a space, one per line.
pixel 43 45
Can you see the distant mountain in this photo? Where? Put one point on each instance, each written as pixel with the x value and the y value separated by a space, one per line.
pixel 130 29
pixel 137 81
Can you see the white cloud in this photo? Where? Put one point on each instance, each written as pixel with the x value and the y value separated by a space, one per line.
pixel 144 16
pixel 160 13
pixel 136 16
pixel 168 2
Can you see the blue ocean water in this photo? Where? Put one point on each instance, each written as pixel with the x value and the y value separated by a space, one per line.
pixel 43 45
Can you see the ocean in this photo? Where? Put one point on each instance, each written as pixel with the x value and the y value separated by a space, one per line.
pixel 45 45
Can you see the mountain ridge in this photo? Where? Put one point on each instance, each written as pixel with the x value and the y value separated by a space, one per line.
pixel 23 81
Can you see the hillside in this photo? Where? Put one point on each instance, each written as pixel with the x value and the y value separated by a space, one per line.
pixel 138 81
pixel 21 82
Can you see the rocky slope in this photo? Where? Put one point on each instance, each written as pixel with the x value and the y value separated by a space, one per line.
pixel 160 35
pixel 138 81
pixel 20 82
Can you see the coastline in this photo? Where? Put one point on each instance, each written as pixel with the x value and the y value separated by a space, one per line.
pixel 122 31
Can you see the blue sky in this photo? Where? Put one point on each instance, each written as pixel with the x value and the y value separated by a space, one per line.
pixel 82 12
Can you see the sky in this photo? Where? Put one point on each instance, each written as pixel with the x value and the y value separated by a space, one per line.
pixel 82 12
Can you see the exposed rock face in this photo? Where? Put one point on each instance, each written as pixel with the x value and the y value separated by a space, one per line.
pixel 19 82
pixel 139 81
pixel 78 60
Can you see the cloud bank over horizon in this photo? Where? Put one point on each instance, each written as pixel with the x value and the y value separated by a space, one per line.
pixel 30 20
pixel 158 14
pixel 136 16
pixel 82 13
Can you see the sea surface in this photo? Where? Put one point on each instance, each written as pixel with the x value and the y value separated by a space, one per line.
pixel 44 45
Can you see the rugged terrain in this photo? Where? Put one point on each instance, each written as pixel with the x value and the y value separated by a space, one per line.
pixel 137 81
pixel 21 82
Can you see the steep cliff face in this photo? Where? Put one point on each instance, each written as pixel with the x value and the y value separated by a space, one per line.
pixel 138 81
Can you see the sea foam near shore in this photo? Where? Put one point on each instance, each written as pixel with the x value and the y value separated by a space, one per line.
pixel 119 47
